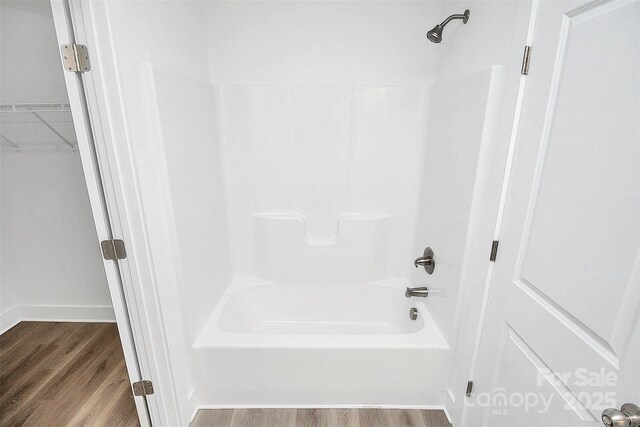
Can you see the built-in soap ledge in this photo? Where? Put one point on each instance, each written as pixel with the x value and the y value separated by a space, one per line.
pixel 352 248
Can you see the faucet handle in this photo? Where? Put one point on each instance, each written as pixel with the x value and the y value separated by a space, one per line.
pixel 427 260
pixel 422 262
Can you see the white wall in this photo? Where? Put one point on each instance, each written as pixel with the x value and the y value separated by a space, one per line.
pixel 50 262
pixel 29 52
pixel 50 255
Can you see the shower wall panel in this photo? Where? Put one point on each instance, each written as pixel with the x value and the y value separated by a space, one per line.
pixel 460 142
pixel 192 189
pixel 319 163
pixel 380 43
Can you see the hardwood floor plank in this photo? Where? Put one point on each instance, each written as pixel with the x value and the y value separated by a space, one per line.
pixel 12 336
pixel 14 402
pixel 78 382
pixel 60 374
pixel 21 332
pixel 213 418
pixel 21 385
pixel 263 417
pixel 67 375
pixel 313 417
pixel 327 418
pixel 119 411
pixel 104 401
pixel 434 418
pixel 45 334
pixel 373 418
pixel 51 354
pixel 347 417
pixel 403 417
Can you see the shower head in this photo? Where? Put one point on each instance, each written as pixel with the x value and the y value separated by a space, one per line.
pixel 435 34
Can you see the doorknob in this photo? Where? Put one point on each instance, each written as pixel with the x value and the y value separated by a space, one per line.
pixel 627 416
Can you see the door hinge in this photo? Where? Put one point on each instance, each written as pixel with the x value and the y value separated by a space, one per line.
pixel 469 388
pixel 75 58
pixel 113 249
pixel 494 250
pixel 526 58
pixel 142 388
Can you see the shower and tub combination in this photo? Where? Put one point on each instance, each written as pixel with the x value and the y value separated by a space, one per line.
pixel 310 194
pixel 327 310
pixel 308 291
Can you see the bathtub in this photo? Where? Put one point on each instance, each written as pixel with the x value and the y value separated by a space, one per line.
pixel 260 313
pixel 320 345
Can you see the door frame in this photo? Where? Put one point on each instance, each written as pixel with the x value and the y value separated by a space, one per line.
pixel 110 173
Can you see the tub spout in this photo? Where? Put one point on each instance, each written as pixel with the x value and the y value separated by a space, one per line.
pixel 417 292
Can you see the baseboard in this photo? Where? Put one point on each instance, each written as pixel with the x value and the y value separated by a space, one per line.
pixel 9 319
pixel 55 313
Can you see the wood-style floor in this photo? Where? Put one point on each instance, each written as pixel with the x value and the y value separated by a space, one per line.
pixel 319 418
pixel 62 374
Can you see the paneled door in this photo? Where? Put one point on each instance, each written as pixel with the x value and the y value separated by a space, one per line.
pixel 561 334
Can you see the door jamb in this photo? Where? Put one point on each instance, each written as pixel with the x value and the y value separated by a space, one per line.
pixel 109 169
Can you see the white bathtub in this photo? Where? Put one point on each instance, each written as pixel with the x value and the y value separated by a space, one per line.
pixel 260 313
pixel 320 345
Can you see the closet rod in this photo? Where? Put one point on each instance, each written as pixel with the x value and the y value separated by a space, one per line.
pixel 24 108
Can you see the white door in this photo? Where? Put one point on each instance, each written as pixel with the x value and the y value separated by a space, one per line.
pixel 561 335
pixel 94 180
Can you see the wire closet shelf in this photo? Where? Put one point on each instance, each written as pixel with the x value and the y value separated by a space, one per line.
pixel 34 127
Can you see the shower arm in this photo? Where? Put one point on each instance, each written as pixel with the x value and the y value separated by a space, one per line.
pixel 463 16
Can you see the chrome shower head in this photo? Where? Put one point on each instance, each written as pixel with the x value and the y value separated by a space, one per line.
pixel 435 34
